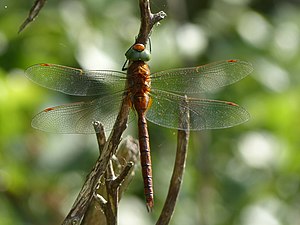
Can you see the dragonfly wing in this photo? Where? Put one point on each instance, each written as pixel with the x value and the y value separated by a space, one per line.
pixel 204 114
pixel 74 81
pixel 78 117
pixel 202 78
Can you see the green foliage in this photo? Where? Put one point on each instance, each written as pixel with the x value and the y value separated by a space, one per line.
pixel 245 175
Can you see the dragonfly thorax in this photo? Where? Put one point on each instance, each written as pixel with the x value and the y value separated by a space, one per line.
pixel 138 52
pixel 139 82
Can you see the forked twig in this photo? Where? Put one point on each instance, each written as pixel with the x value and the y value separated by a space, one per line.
pixel 100 210
pixel 179 166
pixel 148 20
pixel 86 194
pixel 112 183
pixel 110 205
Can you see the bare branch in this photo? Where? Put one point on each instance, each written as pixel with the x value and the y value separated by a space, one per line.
pixel 100 134
pixel 179 166
pixel 148 20
pixel 119 180
pixel 33 13
pixel 86 194
pixel 112 187
pixel 127 152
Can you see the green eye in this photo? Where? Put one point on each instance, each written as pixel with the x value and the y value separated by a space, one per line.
pixel 138 52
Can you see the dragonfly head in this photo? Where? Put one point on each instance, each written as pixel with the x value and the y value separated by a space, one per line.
pixel 138 52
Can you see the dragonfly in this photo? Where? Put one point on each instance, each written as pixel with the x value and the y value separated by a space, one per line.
pixel 158 98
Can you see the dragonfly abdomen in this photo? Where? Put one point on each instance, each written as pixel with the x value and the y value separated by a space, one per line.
pixel 138 75
pixel 145 160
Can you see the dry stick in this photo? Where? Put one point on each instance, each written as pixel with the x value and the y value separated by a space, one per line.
pixel 148 20
pixel 86 194
pixel 127 152
pixel 178 170
pixel 101 140
pixel 33 13
pixel 92 209
pixel 100 134
pixel 112 183
pixel 112 188
pixel 110 207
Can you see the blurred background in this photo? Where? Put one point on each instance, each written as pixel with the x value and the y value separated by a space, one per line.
pixel 245 175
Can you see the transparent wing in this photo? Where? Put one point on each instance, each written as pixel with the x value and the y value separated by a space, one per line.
pixel 74 81
pixel 78 117
pixel 202 78
pixel 204 114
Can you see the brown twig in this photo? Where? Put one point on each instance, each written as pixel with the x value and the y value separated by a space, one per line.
pixel 86 194
pixel 127 152
pixel 33 13
pixel 148 20
pixel 178 170
pixel 111 188
pixel 100 134
pixel 110 207
pixel 89 215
